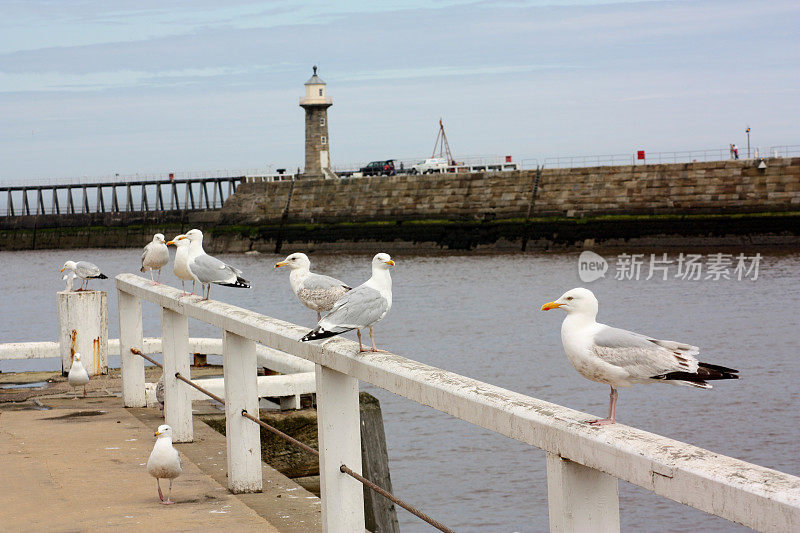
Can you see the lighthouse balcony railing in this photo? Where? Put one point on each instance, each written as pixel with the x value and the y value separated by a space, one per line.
pixel 584 463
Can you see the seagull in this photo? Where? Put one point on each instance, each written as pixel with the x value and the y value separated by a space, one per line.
pixel 621 358
pixel 155 256
pixel 84 270
pixel 208 269
pixel 180 265
pixel 78 376
pixel 164 461
pixel 315 291
pixel 361 307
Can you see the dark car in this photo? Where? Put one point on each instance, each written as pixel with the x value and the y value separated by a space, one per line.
pixel 379 168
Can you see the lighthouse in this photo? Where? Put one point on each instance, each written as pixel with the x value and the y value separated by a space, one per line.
pixel 316 104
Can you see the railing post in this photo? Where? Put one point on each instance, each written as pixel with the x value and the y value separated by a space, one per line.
pixel 241 393
pixel 580 498
pixel 339 443
pixel 130 336
pixel 175 348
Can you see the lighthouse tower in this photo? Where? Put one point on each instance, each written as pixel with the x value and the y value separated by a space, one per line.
pixel 316 104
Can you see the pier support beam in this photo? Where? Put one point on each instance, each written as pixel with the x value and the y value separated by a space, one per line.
pixel 130 336
pixel 580 498
pixel 175 348
pixel 83 329
pixel 241 393
pixel 338 426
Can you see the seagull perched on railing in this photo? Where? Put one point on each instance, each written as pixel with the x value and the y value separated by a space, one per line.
pixel 180 265
pixel 164 461
pixel 621 358
pixel 315 291
pixel 84 270
pixel 361 307
pixel 154 256
pixel 207 269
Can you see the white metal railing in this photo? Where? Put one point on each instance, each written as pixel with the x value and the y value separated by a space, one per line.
pixel 583 462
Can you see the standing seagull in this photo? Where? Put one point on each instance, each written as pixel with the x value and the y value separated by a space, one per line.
pixel 164 461
pixel 361 307
pixel 315 291
pixel 207 269
pixel 180 265
pixel 155 256
pixel 84 270
pixel 78 376
pixel 621 358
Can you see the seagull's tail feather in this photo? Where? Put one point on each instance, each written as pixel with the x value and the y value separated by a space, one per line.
pixel 103 276
pixel 240 283
pixel 321 333
pixel 705 372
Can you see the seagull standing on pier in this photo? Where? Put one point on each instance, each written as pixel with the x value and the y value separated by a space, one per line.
pixel 315 291
pixel 207 269
pixel 621 358
pixel 84 270
pixel 155 256
pixel 164 461
pixel 180 265
pixel 361 307
pixel 78 376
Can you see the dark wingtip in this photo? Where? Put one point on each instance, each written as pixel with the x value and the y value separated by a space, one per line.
pixel 103 276
pixel 316 334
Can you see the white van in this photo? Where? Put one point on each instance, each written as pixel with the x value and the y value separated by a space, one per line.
pixel 430 166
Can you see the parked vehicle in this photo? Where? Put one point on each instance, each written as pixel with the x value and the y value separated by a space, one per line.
pixel 430 166
pixel 378 168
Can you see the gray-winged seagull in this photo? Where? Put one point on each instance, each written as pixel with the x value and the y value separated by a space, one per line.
pixel 208 269
pixel 84 270
pixel 361 307
pixel 621 358
pixel 154 256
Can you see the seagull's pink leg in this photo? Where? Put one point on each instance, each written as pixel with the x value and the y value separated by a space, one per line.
pixel 612 411
pixel 169 494
pixel 160 494
pixel 158 281
pixel 152 280
pixel 374 349
pixel 360 347
pixel 319 316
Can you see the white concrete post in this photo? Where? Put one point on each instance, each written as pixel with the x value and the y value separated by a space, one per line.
pixel 580 498
pixel 83 328
pixel 130 336
pixel 338 424
pixel 243 436
pixel 175 348
pixel 289 402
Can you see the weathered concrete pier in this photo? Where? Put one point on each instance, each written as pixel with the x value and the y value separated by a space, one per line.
pixel 583 462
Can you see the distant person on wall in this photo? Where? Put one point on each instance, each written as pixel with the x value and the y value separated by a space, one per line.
pixel 402 167
pixel 387 170
pixel 731 148
pixel 735 151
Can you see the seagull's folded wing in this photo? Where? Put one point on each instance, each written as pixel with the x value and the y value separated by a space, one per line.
pixel 642 356
pixel 209 269
pixel 358 308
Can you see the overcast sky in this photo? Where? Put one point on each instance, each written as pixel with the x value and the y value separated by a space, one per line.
pixel 94 87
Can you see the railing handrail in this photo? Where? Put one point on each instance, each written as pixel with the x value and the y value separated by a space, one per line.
pixel 742 492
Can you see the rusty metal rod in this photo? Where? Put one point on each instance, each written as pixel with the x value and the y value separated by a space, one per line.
pixel 198 387
pixel 410 508
pixel 343 468
pixel 280 433
pixel 139 352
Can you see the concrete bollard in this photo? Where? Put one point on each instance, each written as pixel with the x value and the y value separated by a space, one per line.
pixel 83 328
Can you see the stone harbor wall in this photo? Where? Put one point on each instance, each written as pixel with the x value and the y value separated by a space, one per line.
pixel 687 188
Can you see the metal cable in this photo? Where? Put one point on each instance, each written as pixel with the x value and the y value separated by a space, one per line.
pixel 139 352
pixel 411 509
pixel 343 468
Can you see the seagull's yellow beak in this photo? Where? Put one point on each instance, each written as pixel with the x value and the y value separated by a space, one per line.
pixel 390 262
pixel 170 242
pixel 181 238
pixel 157 434
pixel 63 269
pixel 551 305
pixel 281 264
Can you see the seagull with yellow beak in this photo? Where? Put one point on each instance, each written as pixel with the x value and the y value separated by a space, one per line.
pixel 360 308
pixel 621 358
pixel 164 461
pixel 315 291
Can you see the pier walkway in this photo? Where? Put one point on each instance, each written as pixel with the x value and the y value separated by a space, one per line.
pixel 79 465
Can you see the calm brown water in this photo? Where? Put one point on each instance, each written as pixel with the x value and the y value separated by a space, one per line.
pixel 478 315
